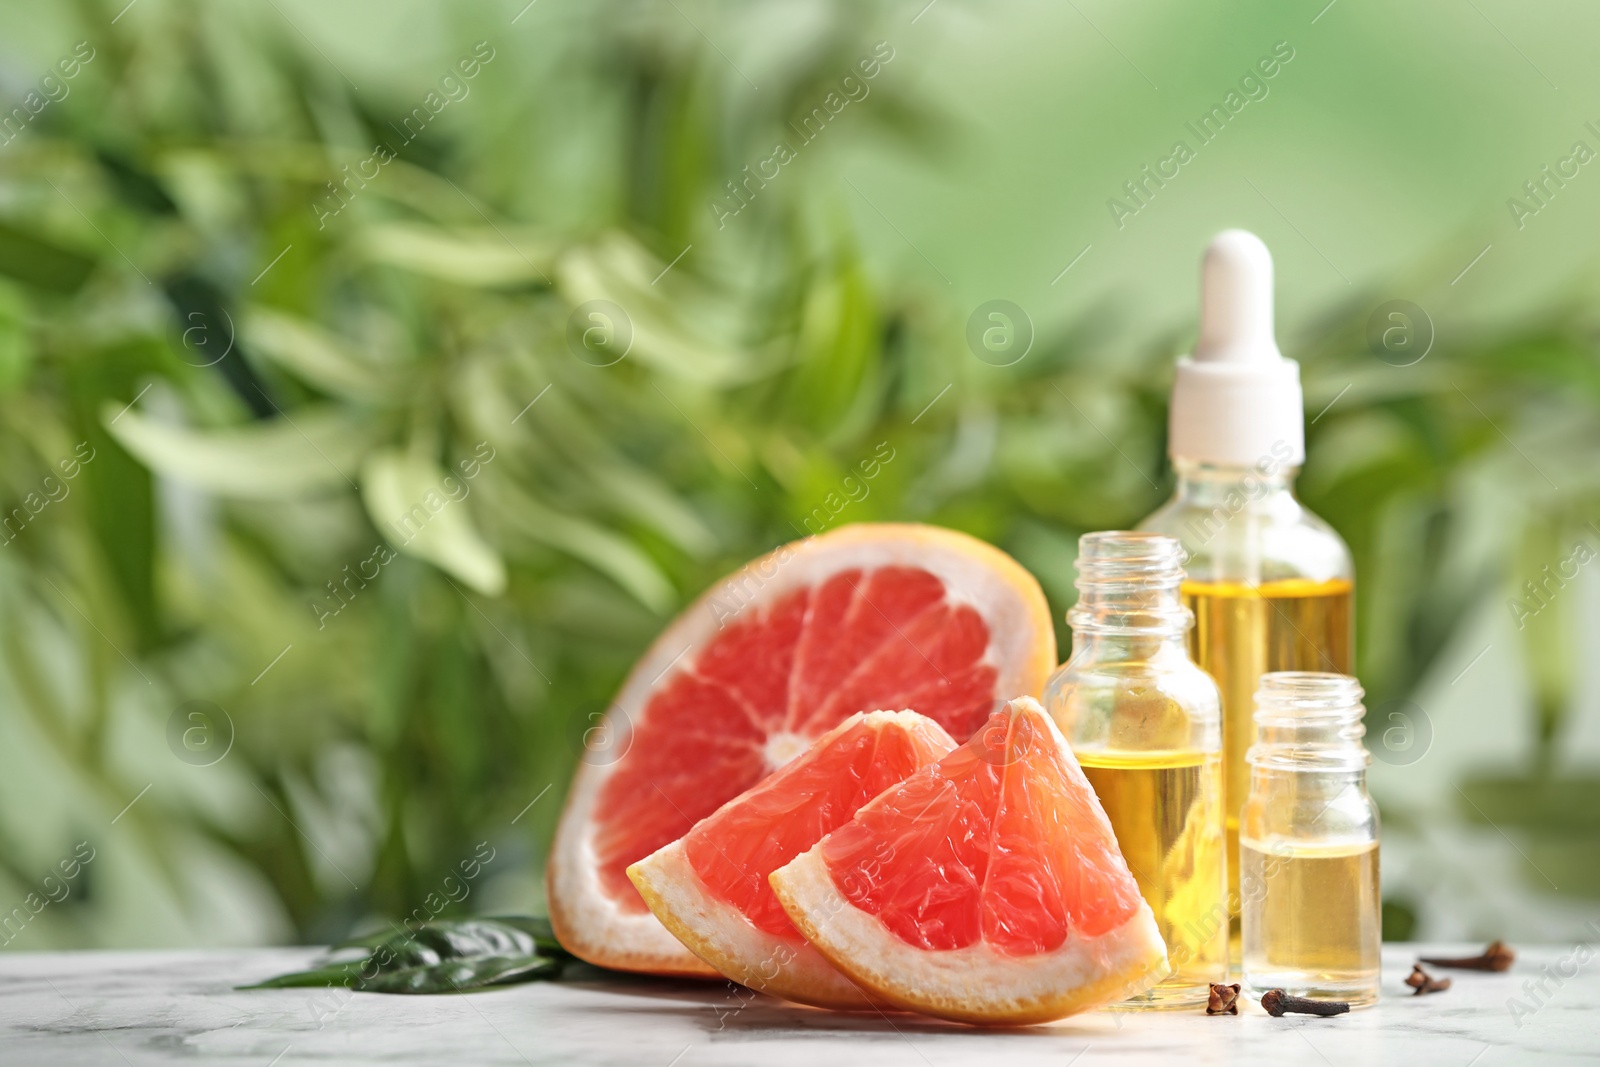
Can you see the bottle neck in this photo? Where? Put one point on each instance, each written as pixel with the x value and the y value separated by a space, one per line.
pixel 1127 646
pixel 1128 595
pixel 1309 722
pixel 1233 488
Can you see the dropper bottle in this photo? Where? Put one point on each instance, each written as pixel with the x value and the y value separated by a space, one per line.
pixel 1270 584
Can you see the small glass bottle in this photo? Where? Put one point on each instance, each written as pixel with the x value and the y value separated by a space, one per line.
pixel 1145 723
pixel 1309 844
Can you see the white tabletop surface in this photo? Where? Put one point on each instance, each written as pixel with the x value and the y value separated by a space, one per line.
pixel 135 1008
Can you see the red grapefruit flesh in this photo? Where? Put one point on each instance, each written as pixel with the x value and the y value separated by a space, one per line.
pixel 710 887
pixel 986 888
pixel 863 617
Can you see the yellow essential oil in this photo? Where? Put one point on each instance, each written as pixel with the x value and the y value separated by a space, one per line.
pixel 1243 631
pixel 1164 809
pixel 1316 929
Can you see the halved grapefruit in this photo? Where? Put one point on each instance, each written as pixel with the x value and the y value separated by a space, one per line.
pixel 986 888
pixel 710 886
pixel 860 618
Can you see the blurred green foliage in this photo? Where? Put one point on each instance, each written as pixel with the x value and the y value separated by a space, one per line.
pixel 269 387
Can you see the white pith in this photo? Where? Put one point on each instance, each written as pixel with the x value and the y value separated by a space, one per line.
pixel 784 746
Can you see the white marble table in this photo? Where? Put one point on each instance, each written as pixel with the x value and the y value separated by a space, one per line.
pixel 63 1009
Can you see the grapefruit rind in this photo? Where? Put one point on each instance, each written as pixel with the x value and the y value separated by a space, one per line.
pixel 720 935
pixel 975 984
pixel 587 922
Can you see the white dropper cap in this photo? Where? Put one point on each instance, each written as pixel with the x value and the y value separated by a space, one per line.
pixel 1236 401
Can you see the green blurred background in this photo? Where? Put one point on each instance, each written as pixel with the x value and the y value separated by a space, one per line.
pixel 220 380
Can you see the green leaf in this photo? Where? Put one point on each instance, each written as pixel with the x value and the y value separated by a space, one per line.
pixel 837 347
pixel 422 512
pixel 40 263
pixel 676 327
pixel 617 557
pixel 446 956
pixel 535 926
pixel 460 976
pixel 484 258
pixel 333 974
pixel 312 354
pixel 1546 616
pixel 645 497
pixel 263 461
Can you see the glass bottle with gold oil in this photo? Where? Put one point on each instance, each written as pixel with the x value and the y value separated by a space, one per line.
pixel 1309 844
pixel 1270 584
pixel 1145 724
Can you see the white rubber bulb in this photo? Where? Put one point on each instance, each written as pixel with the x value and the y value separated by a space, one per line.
pixel 1236 301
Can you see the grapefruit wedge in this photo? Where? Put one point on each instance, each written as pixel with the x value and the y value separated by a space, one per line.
pixel 862 617
pixel 710 887
pixel 986 888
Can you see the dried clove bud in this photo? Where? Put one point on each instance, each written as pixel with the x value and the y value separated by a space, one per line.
pixel 1278 1003
pixel 1224 999
pixel 1423 982
pixel 1497 956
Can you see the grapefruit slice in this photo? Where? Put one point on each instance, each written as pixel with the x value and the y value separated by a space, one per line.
pixel 986 888
pixel 710 887
pixel 862 617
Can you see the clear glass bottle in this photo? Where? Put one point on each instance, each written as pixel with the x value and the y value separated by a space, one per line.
pixel 1312 923
pixel 1270 584
pixel 1145 723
